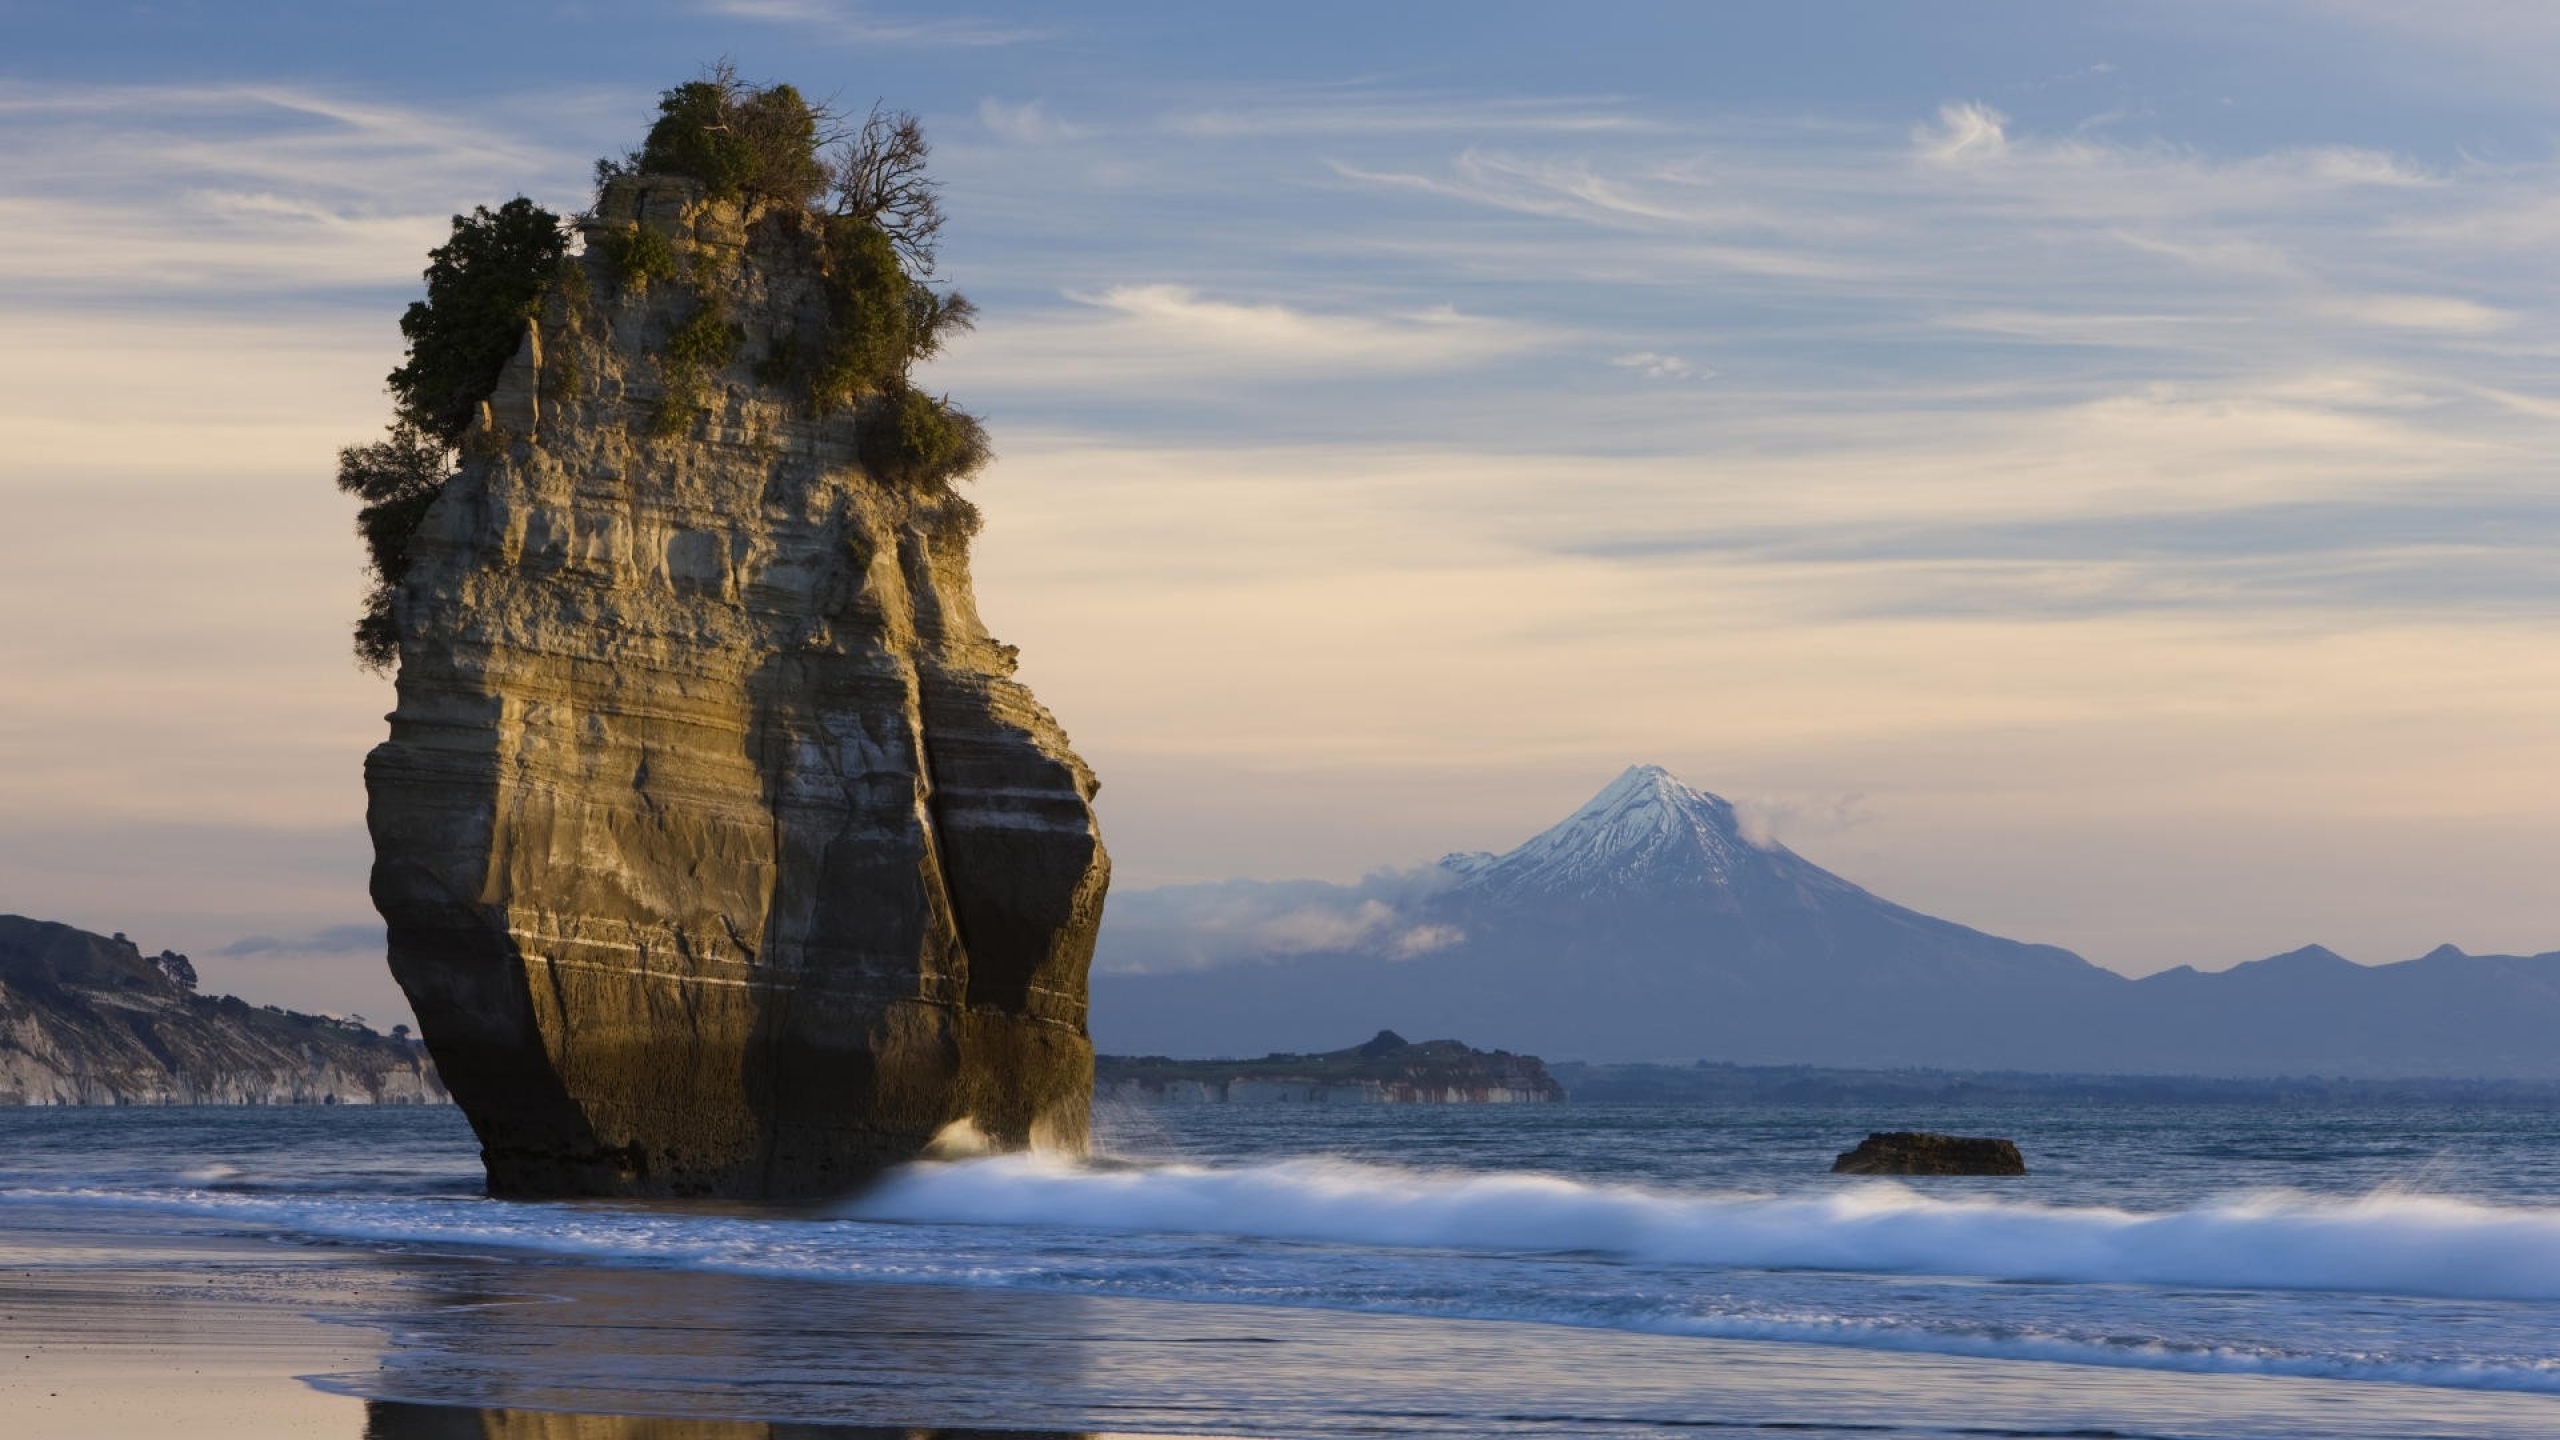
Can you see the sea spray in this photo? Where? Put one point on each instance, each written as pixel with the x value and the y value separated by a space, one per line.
pixel 2385 1243
pixel 2382 1285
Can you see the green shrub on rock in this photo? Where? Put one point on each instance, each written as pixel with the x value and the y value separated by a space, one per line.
pixel 912 437
pixel 638 257
pixel 562 380
pixel 882 320
pixel 741 142
pixel 700 348
pixel 397 478
pixel 707 340
pixel 482 285
pixel 779 363
pixel 869 334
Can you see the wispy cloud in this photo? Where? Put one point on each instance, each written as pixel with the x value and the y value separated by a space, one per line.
pixel 1164 330
pixel 842 22
pixel 1654 365
pixel 1580 189
pixel 329 940
pixel 1198 927
pixel 1374 113
pixel 1965 133
pixel 1180 319
pixel 2062 237
pixel 1029 123
pixel 232 191
pixel 2445 313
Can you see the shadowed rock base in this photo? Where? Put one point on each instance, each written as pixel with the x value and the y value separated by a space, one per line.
pixel 720 852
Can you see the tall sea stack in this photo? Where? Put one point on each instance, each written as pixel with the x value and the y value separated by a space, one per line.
pixel 720 851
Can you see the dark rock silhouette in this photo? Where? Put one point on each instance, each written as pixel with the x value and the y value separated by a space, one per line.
pixel 1386 1070
pixel 1917 1152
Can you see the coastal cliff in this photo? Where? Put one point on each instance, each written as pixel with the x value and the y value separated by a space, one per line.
pixel 90 1020
pixel 721 853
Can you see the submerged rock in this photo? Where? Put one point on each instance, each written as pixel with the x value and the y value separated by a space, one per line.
pixel 720 851
pixel 1914 1152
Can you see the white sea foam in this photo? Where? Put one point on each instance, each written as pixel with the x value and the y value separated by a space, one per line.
pixel 1518 1246
pixel 2383 1243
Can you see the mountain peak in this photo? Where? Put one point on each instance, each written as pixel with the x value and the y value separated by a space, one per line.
pixel 2308 959
pixel 1643 829
pixel 1651 785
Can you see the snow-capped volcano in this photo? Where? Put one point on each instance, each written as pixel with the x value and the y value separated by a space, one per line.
pixel 1646 925
pixel 1648 841
pixel 1643 923
pixel 1644 833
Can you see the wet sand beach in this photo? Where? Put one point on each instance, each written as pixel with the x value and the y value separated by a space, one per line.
pixel 149 1325
pixel 113 1336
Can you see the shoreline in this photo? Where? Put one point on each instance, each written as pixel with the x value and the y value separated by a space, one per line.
pixel 214 1334
pixel 124 1324
pixel 203 1335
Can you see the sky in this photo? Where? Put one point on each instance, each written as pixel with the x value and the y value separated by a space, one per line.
pixel 2083 471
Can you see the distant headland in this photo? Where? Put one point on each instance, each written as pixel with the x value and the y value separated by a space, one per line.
pixel 90 1020
pixel 1388 1070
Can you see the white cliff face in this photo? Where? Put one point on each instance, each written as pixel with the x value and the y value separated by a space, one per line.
pixel 85 1020
pixel 720 851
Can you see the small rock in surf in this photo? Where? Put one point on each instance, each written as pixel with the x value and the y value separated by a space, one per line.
pixel 1912 1152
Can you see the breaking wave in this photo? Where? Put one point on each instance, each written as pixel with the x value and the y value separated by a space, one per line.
pixel 2385 1243
pixel 2106 1286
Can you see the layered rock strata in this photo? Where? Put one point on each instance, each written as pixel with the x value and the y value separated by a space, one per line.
pixel 720 851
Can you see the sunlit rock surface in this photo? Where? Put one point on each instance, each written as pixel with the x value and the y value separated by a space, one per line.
pixel 720 852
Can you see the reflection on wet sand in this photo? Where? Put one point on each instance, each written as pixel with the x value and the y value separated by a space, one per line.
pixel 400 1420
pixel 528 1341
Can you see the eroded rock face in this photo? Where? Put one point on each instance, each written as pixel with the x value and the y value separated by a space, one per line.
pixel 720 852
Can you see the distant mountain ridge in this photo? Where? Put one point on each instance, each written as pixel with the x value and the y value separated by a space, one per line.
pixel 90 1020
pixel 1648 925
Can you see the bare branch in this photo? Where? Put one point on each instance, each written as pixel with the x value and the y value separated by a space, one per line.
pixel 880 178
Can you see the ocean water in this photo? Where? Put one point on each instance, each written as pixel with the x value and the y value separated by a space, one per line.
pixel 1568 1270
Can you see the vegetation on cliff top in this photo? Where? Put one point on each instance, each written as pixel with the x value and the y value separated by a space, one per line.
pixel 858 192
pixel 739 141
pixel 482 285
